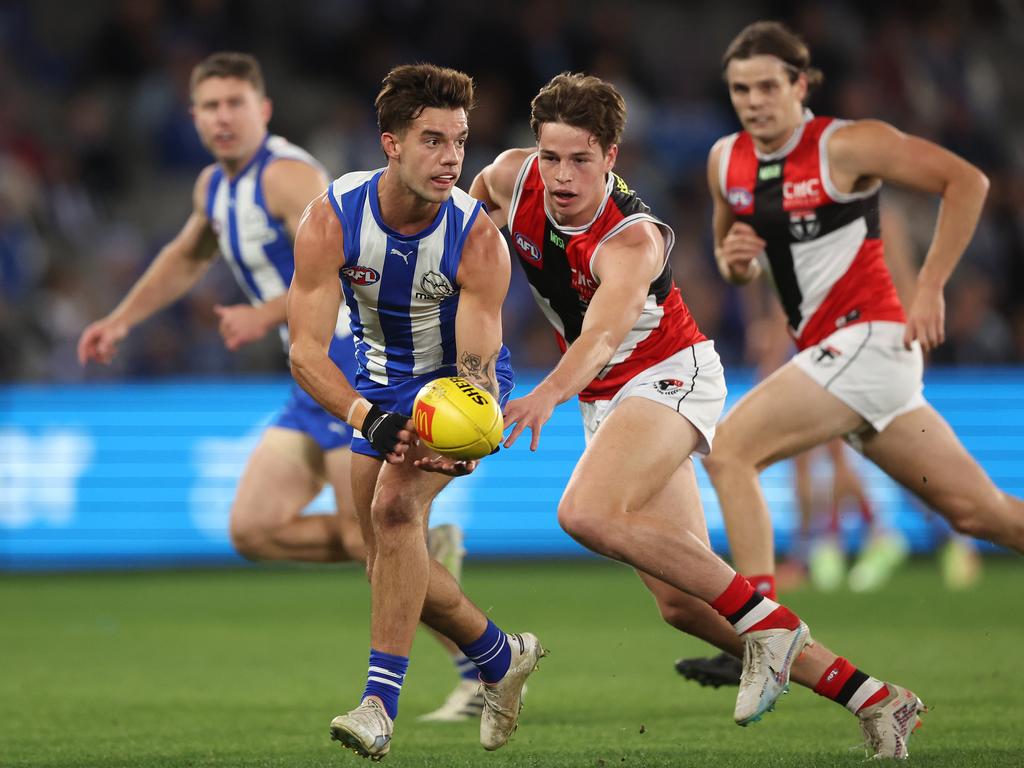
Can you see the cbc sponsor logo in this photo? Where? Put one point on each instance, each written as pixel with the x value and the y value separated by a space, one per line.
pixel 809 189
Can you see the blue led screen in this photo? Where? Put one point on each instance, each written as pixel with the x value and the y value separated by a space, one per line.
pixel 143 474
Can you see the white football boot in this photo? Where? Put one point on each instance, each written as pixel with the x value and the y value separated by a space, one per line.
pixel 768 656
pixel 504 699
pixel 466 702
pixel 888 725
pixel 444 543
pixel 884 553
pixel 366 730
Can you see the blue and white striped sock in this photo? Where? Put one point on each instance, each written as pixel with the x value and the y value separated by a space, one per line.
pixel 465 667
pixel 490 653
pixel 384 679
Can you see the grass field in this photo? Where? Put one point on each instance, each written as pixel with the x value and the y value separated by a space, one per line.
pixel 247 667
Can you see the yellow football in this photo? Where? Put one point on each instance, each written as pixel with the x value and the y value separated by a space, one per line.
pixel 457 419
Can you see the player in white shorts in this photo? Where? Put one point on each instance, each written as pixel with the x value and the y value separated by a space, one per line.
pixel 597 261
pixel 799 194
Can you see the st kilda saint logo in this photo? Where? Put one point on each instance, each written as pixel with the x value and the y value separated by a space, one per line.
pixel 669 386
pixel 804 225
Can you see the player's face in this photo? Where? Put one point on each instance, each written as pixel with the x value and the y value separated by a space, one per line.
pixel 574 169
pixel 768 103
pixel 429 154
pixel 231 117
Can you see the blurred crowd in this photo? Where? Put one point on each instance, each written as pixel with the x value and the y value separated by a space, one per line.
pixel 98 153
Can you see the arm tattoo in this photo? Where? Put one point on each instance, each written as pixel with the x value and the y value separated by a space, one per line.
pixel 482 373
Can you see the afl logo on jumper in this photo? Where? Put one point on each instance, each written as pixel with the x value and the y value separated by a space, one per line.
pixel 740 199
pixel 358 275
pixel 669 386
pixel 526 247
pixel 804 225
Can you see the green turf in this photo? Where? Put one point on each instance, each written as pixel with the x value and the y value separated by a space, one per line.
pixel 247 667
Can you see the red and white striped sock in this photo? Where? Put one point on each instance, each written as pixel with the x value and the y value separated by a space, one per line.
pixel 749 611
pixel 847 685
pixel 764 583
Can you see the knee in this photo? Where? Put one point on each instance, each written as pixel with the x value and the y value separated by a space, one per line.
pixel 394 516
pixel 249 539
pixel 592 524
pixel 970 516
pixel 723 459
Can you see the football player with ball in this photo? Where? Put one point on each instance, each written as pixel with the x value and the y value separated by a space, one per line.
pixel 424 276
pixel 651 389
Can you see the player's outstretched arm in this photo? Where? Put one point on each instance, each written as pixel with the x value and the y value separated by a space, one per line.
pixel 867 150
pixel 494 184
pixel 176 269
pixel 625 266
pixel 288 187
pixel 313 302
pixel 737 245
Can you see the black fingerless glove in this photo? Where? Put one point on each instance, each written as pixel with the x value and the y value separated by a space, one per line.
pixel 381 428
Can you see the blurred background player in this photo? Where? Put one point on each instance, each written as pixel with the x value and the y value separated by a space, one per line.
pixel 826 483
pixel 424 277
pixel 804 191
pixel 598 262
pixel 247 206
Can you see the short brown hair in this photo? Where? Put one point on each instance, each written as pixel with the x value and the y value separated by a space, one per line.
pixel 410 88
pixel 582 101
pixel 229 64
pixel 772 38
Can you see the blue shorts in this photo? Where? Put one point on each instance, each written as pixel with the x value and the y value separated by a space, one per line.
pixel 304 414
pixel 399 397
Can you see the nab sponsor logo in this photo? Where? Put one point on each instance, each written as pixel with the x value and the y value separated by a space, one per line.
pixel 424 421
pixel 526 247
pixel 361 275
pixel 740 198
pixel 669 386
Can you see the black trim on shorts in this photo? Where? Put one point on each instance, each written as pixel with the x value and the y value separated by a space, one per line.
pixel 693 381
pixel 853 357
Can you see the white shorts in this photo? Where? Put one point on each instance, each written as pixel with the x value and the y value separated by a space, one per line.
pixel 691 383
pixel 867 367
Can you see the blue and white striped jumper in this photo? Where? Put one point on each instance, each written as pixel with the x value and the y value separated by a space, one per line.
pixel 258 249
pixel 402 294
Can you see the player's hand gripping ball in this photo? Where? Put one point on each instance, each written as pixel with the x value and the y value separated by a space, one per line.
pixel 457 419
